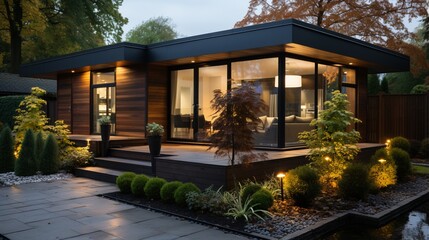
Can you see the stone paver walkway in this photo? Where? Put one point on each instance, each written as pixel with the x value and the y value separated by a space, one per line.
pixel 70 209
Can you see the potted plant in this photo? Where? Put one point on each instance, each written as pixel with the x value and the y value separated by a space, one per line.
pixel 105 125
pixel 154 134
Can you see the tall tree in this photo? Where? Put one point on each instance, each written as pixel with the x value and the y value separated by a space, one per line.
pixel 384 87
pixel 373 84
pixel 379 22
pixel 151 31
pixel 37 29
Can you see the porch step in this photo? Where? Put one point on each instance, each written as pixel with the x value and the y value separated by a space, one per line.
pixel 123 164
pixel 129 154
pixel 98 173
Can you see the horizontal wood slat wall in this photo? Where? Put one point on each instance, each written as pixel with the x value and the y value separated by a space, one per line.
pixel 81 103
pixel 158 95
pixel 64 96
pixel 130 101
pixel 398 115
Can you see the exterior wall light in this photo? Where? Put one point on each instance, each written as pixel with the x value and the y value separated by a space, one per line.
pixel 281 175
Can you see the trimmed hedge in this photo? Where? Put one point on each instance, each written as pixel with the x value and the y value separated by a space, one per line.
pixel 124 180
pixel 182 191
pixel 7 157
pixel 138 183
pixel 302 185
pixel 152 189
pixel 403 163
pixel 168 190
pixel 355 183
pixel 8 105
pixel 400 142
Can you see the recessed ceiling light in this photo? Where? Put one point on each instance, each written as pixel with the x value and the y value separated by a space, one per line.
pixel 72 71
pixel 350 63
pixel 193 61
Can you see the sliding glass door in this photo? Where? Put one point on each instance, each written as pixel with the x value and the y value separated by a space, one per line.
pixel 103 98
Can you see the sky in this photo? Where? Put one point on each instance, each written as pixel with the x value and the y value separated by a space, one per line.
pixel 191 17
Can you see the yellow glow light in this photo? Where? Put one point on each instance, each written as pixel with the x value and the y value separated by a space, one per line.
pixel 381 160
pixel 280 175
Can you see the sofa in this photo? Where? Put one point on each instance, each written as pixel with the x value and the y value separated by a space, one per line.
pixel 266 133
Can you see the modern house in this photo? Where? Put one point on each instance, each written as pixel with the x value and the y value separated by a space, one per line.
pixel 292 65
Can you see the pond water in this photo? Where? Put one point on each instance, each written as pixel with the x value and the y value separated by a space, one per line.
pixel 410 226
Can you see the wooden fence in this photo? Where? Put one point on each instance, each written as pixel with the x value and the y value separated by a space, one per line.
pixel 397 115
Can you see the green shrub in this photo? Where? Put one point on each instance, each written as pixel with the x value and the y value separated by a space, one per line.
pixel 124 181
pixel 152 189
pixel 40 144
pixel 8 106
pixel 414 147
pixel 249 190
pixel 380 154
pixel 138 183
pixel 302 185
pixel 168 190
pixel 239 208
pixel 7 157
pixel 26 163
pixel 49 162
pixel 263 198
pixel 208 200
pixel 382 175
pixel 74 157
pixel 400 142
pixel 402 161
pixel 355 182
pixel 182 191
pixel 424 149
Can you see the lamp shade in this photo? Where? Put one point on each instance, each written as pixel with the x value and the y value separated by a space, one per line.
pixel 291 81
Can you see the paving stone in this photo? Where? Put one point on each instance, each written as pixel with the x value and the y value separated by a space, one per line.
pixel 213 234
pixel 136 214
pixel 43 233
pixel 95 235
pixel 12 225
pixel 133 231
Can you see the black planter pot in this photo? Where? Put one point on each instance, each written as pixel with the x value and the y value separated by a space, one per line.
pixel 105 137
pixel 154 145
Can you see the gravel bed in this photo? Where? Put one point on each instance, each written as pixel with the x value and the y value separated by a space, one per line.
pixel 288 218
pixel 9 179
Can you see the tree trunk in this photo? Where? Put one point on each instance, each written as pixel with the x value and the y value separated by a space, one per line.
pixel 14 16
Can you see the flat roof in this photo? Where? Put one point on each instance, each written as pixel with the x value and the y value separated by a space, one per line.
pixel 289 36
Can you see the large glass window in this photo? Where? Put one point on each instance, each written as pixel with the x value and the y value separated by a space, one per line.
pixel 104 98
pixel 182 103
pixel 210 79
pixel 261 74
pixel 300 97
pixel 349 87
pixel 328 82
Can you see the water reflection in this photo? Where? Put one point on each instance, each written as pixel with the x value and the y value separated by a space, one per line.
pixel 410 226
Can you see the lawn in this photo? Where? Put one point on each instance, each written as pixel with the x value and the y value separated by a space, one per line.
pixel 420 169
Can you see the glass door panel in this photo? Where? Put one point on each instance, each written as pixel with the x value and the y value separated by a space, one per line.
pixel 182 103
pixel 104 105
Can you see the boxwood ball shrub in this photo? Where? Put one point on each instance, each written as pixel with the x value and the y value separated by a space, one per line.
pixel 402 161
pixel 168 190
pixel 182 191
pixel 249 190
pixel 263 198
pixel 400 142
pixel 124 181
pixel 355 183
pixel 152 189
pixel 138 183
pixel 302 185
pixel 414 147
pixel 424 149
pixel 380 154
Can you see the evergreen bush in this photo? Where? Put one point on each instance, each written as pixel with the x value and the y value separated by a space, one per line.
pixel 249 190
pixel 414 148
pixel 8 106
pixel 400 142
pixel 40 144
pixel 49 161
pixel 380 154
pixel 383 174
pixel 302 185
pixel 152 189
pixel 182 191
pixel 168 190
pixel 124 181
pixel 424 149
pixel 7 156
pixel 263 198
pixel 26 163
pixel 355 182
pixel 403 163
pixel 138 183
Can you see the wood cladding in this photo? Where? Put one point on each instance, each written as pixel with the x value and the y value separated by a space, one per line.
pixel 158 95
pixel 64 99
pixel 81 103
pixel 130 101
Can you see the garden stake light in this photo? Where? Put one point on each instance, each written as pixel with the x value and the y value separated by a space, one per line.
pixel 381 160
pixel 88 142
pixel 281 175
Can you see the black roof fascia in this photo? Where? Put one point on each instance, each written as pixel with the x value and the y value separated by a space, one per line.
pixel 129 52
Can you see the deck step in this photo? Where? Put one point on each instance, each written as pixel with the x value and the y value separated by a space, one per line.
pixel 127 154
pixel 98 173
pixel 123 164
